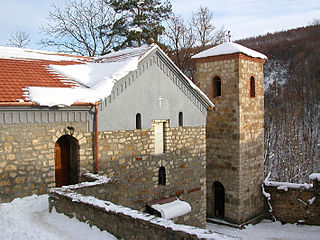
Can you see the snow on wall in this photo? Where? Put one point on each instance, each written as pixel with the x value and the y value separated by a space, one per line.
pixel 110 207
pixel 286 185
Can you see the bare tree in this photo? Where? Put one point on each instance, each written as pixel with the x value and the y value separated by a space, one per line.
pixel 205 32
pixel 81 26
pixel 19 39
pixel 181 40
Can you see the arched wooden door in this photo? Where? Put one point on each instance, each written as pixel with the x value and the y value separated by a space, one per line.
pixel 66 161
pixel 219 200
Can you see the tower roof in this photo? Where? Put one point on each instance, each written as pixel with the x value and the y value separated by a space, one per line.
pixel 229 48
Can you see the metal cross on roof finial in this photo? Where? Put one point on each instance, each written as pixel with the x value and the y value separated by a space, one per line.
pixel 229 36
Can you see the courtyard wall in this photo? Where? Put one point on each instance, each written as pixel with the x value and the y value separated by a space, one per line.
pixel 298 203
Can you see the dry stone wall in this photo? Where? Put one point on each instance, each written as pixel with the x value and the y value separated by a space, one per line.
pixel 27 164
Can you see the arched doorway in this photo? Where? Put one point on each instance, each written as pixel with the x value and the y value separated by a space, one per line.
pixel 218 200
pixel 66 154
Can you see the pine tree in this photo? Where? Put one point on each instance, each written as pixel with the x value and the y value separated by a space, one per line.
pixel 139 20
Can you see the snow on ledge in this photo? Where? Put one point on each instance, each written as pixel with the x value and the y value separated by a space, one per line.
pixel 286 185
pixel 172 209
pixel 99 179
pixel 315 176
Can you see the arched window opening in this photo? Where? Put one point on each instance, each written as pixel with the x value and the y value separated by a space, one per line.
pixel 162 176
pixel 252 87
pixel 180 119
pixel 219 200
pixel 138 121
pixel 216 87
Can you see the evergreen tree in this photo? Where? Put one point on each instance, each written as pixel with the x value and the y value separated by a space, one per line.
pixel 139 20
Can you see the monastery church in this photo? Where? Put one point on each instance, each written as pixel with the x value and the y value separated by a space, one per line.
pixel 134 117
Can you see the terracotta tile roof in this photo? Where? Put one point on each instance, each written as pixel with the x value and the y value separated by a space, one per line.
pixel 17 74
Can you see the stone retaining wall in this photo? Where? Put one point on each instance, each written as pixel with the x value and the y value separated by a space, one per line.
pixel 296 205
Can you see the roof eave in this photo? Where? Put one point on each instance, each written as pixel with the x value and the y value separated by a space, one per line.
pixel 19 104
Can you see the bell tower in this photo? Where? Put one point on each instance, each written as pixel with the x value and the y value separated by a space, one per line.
pixel 232 76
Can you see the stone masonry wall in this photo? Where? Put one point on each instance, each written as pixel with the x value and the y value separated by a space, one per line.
pixel 295 205
pixel 251 138
pixel 128 158
pixel 222 133
pixel 27 164
pixel 228 135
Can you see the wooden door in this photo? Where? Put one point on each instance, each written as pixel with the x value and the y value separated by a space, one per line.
pixel 62 162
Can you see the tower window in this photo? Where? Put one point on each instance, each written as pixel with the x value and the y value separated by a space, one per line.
pixel 180 119
pixel 162 176
pixel 138 121
pixel 216 87
pixel 252 87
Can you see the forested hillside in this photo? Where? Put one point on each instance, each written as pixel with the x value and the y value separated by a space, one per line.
pixel 292 102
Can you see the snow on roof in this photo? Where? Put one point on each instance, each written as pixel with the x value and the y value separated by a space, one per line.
pixel 229 48
pixel 99 79
pixel 21 53
pixel 172 209
pixel 124 54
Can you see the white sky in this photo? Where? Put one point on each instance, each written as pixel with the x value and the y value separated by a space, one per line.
pixel 244 18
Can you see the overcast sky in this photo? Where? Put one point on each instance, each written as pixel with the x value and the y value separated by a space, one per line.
pixel 244 18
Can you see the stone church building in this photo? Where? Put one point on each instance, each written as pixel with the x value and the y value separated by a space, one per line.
pixel 135 117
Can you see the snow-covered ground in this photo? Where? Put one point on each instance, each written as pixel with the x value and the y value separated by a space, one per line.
pixel 28 218
pixel 268 230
